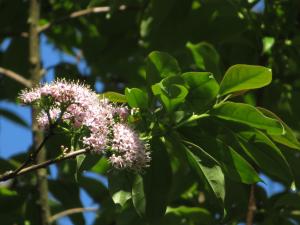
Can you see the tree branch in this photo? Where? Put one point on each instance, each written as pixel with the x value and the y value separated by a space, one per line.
pixel 17 77
pixel 70 212
pixel 251 206
pixel 73 15
pixel 10 174
pixel 83 12
pixel 32 156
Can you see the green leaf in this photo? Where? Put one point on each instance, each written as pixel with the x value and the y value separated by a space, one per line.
pixel 138 195
pixel 264 153
pixel 9 200
pixel 171 92
pixel 114 97
pixel 13 117
pixel 249 115
pixel 203 89
pixel 211 173
pixel 88 162
pixel 268 43
pixel 136 98
pixel 244 77
pixel 157 181
pixel 233 164
pixel 79 161
pixel 101 166
pixel 195 215
pixel 119 183
pixel 288 138
pixel 206 57
pixel 160 65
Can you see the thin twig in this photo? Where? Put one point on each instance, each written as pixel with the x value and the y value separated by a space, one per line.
pixel 33 155
pixel 73 15
pixel 10 175
pixel 17 77
pixel 251 206
pixel 83 12
pixel 71 211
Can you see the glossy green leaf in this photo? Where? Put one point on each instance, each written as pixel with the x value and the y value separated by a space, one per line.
pixel 244 77
pixel 249 115
pixel 13 117
pixel 203 89
pixel 138 195
pixel 160 65
pixel 114 97
pixel 136 98
pixel 206 57
pixel 288 138
pixel 211 173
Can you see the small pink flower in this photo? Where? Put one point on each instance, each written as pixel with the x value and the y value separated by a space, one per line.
pixel 79 107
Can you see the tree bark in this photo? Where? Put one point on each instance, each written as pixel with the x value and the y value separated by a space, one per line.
pixel 251 206
pixel 35 77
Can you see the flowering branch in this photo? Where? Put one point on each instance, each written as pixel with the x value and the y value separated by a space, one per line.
pixel 70 212
pixel 17 77
pixel 12 174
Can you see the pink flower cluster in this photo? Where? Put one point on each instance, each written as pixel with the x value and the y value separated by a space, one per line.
pixel 79 107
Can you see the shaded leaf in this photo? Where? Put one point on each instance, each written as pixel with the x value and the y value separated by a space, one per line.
pixel 157 181
pixel 160 65
pixel 203 89
pixel 288 138
pixel 138 195
pixel 211 173
pixel 206 57
pixel 119 183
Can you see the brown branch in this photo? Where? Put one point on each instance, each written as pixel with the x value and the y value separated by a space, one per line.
pixel 73 15
pixel 83 12
pixel 70 212
pixel 9 175
pixel 33 155
pixel 251 206
pixel 17 77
